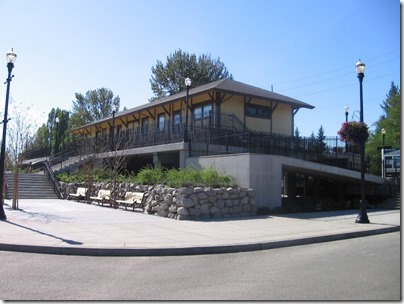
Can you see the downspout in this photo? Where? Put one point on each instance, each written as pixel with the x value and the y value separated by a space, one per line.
pixel 294 111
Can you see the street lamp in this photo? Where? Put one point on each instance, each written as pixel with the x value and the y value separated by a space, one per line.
pixel 383 162
pixel 11 57
pixel 56 135
pixel 362 216
pixel 187 84
pixel 346 109
pixel 113 128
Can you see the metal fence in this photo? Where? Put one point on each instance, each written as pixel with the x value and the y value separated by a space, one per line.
pixel 219 134
pixel 331 150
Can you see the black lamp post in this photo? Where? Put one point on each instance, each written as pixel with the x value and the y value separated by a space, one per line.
pixel 383 147
pixel 187 84
pixel 346 109
pixel 56 150
pixel 362 216
pixel 11 57
pixel 113 128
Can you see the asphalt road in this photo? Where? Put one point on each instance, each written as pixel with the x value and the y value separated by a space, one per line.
pixel 366 268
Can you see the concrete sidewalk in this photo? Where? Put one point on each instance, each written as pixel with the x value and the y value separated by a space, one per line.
pixel 69 227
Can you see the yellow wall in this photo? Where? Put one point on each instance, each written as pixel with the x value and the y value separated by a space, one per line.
pixel 234 105
pixel 281 116
pixel 282 120
pixel 258 124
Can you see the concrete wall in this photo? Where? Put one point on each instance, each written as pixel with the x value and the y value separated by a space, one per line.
pixel 263 173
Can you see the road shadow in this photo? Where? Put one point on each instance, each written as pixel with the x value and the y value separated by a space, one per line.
pixel 325 214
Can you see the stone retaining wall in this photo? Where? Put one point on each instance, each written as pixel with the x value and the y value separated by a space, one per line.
pixel 187 203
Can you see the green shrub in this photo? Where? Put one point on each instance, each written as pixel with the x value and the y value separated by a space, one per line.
pixel 175 178
pixel 151 176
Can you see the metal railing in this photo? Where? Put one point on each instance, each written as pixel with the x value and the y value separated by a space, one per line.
pixel 52 178
pixel 331 150
pixel 217 134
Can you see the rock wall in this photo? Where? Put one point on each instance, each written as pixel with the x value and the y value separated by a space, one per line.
pixel 188 203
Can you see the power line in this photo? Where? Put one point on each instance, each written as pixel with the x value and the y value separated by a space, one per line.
pixel 331 78
pixel 335 70
pixel 345 86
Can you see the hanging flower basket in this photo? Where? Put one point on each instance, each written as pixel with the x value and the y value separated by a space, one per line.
pixel 354 132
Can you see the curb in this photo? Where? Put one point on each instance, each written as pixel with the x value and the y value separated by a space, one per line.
pixel 192 250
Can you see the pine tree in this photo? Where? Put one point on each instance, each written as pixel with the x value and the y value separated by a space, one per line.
pixel 390 120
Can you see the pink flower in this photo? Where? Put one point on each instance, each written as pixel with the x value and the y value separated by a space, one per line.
pixel 354 132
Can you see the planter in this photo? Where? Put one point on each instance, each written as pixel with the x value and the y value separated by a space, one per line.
pixel 354 132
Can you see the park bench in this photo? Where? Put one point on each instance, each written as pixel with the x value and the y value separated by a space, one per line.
pixel 134 199
pixel 79 195
pixel 102 197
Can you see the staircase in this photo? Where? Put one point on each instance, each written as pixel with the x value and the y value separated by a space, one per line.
pixel 30 186
pixel 393 202
pixel 70 164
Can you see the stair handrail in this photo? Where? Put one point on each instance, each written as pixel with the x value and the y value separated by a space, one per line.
pixel 52 178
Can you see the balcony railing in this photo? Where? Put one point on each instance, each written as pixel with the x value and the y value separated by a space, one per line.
pixel 219 134
pixel 331 150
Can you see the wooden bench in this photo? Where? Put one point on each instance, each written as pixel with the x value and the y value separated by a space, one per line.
pixel 134 199
pixel 102 197
pixel 79 195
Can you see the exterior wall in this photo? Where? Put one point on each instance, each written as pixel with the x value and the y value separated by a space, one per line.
pixel 282 120
pixel 279 122
pixel 234 105
pixel 263 174
pixel 247 170
pixel 258 124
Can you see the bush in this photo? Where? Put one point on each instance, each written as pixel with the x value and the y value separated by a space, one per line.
pixel 196 177
pixel 151 176
pixel 175 178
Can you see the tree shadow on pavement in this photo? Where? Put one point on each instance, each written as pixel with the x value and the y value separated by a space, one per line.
pixel 70 242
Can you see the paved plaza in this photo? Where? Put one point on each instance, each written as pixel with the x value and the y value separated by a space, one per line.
pixel 68 227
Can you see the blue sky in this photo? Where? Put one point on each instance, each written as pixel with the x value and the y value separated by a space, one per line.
pixel 305 49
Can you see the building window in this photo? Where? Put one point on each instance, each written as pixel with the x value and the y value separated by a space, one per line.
pixel 145 125
pixel 161 122
pixel 258 111
pixel 202 112
pixel 389 162
pixel 177 119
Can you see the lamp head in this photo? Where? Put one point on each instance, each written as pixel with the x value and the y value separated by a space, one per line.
pixel 384 131
pixel 188 82
pixel 11 56
pixel 346 109
pixel 360 67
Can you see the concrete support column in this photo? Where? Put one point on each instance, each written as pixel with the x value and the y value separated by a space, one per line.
pixel 183 155
pixel 155 159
